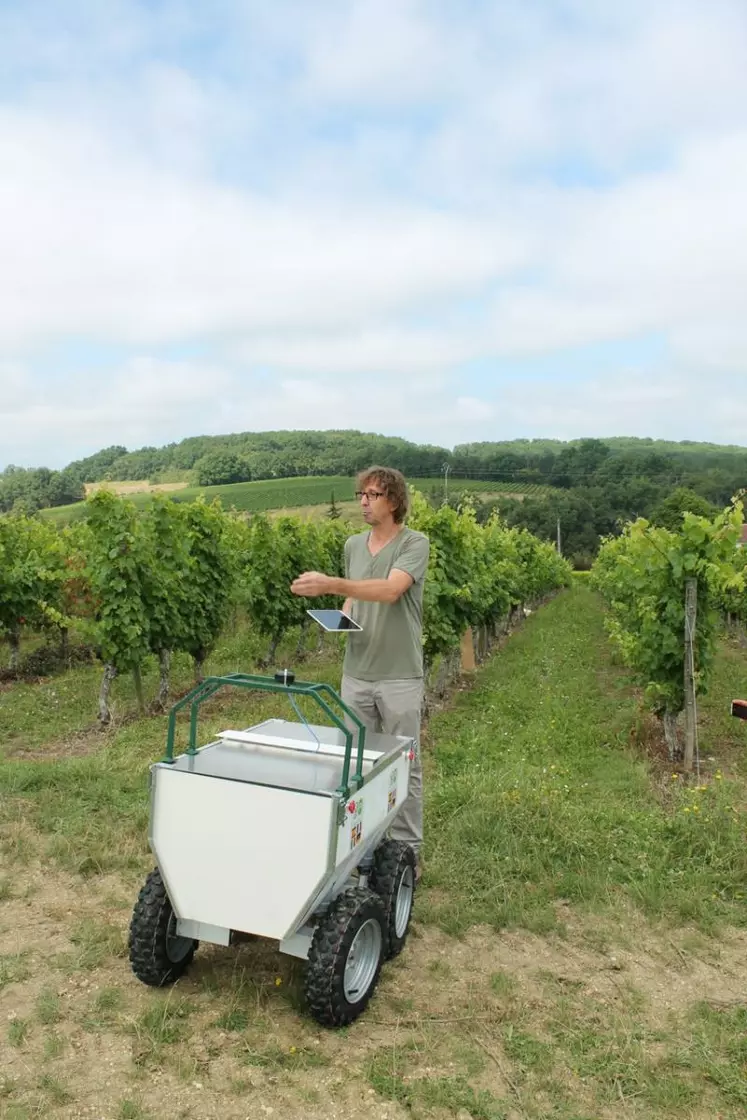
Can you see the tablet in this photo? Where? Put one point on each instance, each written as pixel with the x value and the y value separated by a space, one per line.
pixel 334 620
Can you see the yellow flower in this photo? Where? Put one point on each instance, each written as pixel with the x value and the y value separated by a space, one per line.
pixel 278 981
pixel 292 1049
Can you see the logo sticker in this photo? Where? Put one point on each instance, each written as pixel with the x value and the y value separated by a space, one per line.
pixel 356 834
pixel 391 800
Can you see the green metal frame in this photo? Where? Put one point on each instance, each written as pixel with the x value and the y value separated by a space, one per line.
pixel 210 685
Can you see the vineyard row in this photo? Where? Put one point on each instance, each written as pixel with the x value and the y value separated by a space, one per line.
pixel 165 580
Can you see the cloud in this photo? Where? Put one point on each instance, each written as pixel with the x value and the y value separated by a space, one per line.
pixel 321 199
pixel 96 246
pixel 665 404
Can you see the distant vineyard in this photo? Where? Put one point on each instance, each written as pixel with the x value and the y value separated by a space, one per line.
pixel 291 493
pixel 483 486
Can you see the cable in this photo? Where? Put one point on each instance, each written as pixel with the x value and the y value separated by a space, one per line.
pixel 304 721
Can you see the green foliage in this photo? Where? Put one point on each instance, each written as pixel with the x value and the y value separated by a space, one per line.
pixel 118 551
pixel 670 512
pixel 274 554
pixel 642 575
pixel 32 570
pixel 166 579
pixel 476 574
pixel 220 467
pixel 333 513
pixel 166 587
pixel 211 575
pixel 37 488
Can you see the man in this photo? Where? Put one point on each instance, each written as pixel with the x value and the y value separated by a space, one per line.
pixel 382 680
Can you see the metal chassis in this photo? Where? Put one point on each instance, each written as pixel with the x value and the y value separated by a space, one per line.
pixel 297 940
pixel 210 685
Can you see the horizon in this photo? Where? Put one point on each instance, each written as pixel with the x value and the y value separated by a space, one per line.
pixel 609 440
pixel 465 221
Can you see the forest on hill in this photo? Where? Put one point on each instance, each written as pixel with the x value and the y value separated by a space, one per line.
pixel 599 483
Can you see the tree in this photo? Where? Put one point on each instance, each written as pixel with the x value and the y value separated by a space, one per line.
pixel 670 512
pixel 333 513
pixel 220 467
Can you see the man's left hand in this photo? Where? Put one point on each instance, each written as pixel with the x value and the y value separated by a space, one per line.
pixel 311 584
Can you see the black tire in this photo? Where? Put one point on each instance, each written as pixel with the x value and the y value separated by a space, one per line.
pixel 339 983
pixel 157 954
pixel 393 880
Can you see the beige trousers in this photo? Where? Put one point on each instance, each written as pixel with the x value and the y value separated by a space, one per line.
pixel 394 708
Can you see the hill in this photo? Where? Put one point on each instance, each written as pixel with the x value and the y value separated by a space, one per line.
pixel 713 471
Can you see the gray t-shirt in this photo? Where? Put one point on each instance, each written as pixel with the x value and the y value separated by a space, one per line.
pixel 390 646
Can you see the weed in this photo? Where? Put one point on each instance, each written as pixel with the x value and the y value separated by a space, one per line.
pixel 48 1007
pixel 18 1030
pixel 275 1057
pixel 162 1024
pixel 503 984
pixel 440 968
pixel 528 1052
pixel 130 1109
pixel 54 1046
pixel 14 969
pixel 103 1012
pixel 98 941
pixel 389 1073
pixel 234 1020
pixel 54 1091
pixel 7 1086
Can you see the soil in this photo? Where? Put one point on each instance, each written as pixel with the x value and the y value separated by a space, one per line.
pixel 68 936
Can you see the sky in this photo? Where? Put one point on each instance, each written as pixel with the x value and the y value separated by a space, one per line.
pixel 448 220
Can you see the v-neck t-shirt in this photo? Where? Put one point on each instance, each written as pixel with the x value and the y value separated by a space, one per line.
pixel 390 646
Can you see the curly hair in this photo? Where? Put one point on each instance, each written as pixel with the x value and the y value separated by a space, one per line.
pixel 392 482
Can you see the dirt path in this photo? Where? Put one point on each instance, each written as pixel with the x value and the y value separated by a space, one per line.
pixel 82 1038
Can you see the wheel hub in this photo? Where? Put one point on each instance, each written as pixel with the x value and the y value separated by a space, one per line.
pixel 403 905
pixel 362 961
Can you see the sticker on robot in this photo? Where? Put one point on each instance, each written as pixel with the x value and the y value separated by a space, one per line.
pixel 393 776
pixel 356 834
pixel 391 800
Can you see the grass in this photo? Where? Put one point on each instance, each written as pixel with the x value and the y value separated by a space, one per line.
pixel 536 796
pixel 14 968
pixel 543 819
pixel 48 1007
pixel 388 1072
pixel 18 1030
pixel 164 1023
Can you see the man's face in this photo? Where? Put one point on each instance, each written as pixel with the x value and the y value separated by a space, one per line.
pixel 375 506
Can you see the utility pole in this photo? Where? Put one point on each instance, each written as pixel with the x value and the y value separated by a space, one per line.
pixel 560 550
pixel 446 482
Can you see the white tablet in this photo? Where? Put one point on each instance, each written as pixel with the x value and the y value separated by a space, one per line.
pixel 334 620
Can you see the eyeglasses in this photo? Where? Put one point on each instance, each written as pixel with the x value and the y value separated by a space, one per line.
pixel 370 494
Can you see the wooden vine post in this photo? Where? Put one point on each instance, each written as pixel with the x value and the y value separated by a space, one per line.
pixel 691 616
